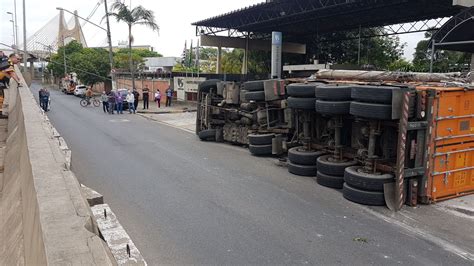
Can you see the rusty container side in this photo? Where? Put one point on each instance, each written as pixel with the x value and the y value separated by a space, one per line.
pixel 451 158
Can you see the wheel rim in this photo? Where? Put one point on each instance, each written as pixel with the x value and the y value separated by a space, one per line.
pixel 83 103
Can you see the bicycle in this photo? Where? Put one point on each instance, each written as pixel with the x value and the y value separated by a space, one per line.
pixel 93 101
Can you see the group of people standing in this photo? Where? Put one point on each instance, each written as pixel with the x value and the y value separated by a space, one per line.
pixel 7 76
pixel 113 100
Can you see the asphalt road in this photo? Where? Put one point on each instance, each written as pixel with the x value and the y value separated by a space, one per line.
pixel 184 201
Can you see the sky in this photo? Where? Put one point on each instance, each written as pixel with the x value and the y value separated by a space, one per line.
pixel 174 18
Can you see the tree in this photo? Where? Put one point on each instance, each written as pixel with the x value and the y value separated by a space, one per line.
pixel 378 51
pixel 445 61
pixel 136 16
pixel 57 60
pixel 90 64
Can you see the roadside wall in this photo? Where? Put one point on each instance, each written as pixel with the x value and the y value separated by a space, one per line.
pixel 154 85
pixel 44 218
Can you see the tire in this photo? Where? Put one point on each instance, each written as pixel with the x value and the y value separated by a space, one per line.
pixel 375 94
pixel 333 93
pixel 329 180
pixel 329 167
pixel 301 103
pixel 302 170
pixel 363 197
pixel 260 149
pixel 206 85
pixel 365 181
pixel 96 103
pixel 371 110
pixel 207 134
pixel 83 102
pixel 333 108
pixel 301 90
pixel 264 139
pixel 254 85
pixel 299 156
pixel 255 96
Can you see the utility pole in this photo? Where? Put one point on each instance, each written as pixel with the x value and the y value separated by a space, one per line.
pixel 109 38
pixel 64 55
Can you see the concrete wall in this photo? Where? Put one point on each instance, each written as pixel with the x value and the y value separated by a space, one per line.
pixel 153 85
pixel 44 218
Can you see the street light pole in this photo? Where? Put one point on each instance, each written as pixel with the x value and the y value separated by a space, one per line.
pixel 25 52
pixel 111 57
pixel 13 28
pixel 16 24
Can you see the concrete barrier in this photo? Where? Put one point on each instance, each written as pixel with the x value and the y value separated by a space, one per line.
pixel 44 220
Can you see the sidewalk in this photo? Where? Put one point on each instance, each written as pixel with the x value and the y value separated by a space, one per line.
pixel 180 115
pixel 176 107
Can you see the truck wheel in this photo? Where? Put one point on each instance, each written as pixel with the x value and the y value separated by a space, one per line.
pixel 254 85
pixel 333 108
pixel 362 196
pixel 327 165
pixel 371 182
pixel 260 149
pixel 301 89
pixel 206 85
pixel 255 96
pixel 301 103
pixel 329 180
pixel 300 156
pixel 207 134
pixel 302 170
pixel 264 139
pixel 376 94
pixel 371 110
pixel 333 93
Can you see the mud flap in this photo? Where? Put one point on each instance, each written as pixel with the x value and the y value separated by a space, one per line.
pixel 389 194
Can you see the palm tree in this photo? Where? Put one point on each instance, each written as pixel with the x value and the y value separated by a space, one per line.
pixel 136 16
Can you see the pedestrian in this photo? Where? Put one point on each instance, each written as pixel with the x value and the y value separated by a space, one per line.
pixel 105 102
pixel 45 99
pixel 40 97
pixel 146 95
pixel 112 100
pixel 169 96
pixel 136 95
pixel 9 77
pixel 131 102
pixel 158 98
pixel 119 102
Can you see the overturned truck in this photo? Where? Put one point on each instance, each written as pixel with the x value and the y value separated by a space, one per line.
pixel 382 139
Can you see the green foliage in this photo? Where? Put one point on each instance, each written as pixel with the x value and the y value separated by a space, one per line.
pixel 136 16
pixel 121 59
pixel 401 65
pixel 91 64
pixel 379 51
pixel 445 61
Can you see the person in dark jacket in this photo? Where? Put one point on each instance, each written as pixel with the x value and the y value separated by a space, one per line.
pixel 136 95
pixel 169 96
pixel 112 100
pixel 146 97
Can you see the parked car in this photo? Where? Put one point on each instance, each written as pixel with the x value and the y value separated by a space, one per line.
pixel 80 91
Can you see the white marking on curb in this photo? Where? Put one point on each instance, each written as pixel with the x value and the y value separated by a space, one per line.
pixel 425 235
